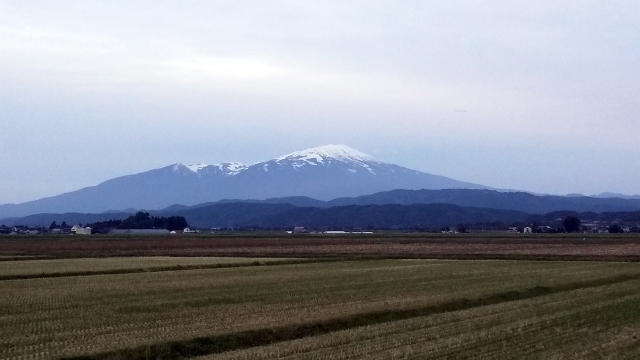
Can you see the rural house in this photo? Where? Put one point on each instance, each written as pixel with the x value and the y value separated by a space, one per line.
pixel 79 230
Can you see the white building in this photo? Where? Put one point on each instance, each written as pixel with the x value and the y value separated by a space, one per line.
pixel 300 230
pixel 79 230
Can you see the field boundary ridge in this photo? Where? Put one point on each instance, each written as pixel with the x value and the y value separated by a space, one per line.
pixel 166 268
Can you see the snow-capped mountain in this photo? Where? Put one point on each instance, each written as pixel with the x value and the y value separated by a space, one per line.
pixel 328 153
pixel 324 173
pixel 323 155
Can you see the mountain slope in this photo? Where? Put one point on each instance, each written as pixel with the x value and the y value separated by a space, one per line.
pixel 231 212
pixel 229 215
pixel 69 218
pixel 517 201
pixel 389 216
pixel 616 195
pixel 323 173
pixel 385 217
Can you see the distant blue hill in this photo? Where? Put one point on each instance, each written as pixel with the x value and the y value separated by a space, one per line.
pixel 487 199
pixel 517 201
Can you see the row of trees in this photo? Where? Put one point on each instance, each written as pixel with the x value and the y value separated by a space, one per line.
pixel 56 226
pixel 572 224
pixel 142 220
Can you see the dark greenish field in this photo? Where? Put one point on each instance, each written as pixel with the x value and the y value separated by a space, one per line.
pixel 340 307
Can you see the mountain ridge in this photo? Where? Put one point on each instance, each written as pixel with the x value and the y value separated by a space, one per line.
pixel 329 175
pixel 479 199
pixel 493 199
pixel 322 173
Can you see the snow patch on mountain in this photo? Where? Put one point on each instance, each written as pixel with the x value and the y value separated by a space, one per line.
pixel 197 167
pixel 327 152
pixel 180 168
pixel 368 168
pixel 226 168
pixel 231 168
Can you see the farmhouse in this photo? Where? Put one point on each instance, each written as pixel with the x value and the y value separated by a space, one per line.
pixel 545 229
pixel 79 230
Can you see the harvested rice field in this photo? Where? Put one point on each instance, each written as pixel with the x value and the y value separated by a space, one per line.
pixel 45 267
pixel 323 310
pixel 592 323
pixel 476 246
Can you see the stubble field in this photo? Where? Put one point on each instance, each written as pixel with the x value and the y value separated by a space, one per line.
pixel 319 308
pixel 11 270
pixel 444 246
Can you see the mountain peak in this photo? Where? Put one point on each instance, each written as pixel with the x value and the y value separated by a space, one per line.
pixel 331 151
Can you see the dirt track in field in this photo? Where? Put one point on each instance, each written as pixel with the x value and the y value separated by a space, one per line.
pixel 468 246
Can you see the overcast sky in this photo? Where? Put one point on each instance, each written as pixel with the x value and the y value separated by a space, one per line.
pixel 542 96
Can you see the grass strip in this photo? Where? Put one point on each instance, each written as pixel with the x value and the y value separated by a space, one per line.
pixel 259 337
pixel 165 268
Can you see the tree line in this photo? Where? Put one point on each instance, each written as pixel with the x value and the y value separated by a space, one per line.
pixel 142 220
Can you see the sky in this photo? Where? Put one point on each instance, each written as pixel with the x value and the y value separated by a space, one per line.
pixel 542 96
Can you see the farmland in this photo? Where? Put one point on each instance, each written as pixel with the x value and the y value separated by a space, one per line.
pixel 601 322
pixel 321 307
pixel 101 266
pixel 461 246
